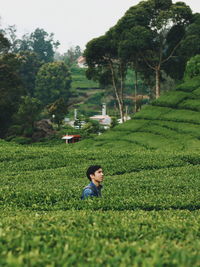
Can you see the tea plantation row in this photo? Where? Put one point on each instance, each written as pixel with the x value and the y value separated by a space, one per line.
pixel 97 238
pixel 53 177
pixel 170 123
pixel 148 215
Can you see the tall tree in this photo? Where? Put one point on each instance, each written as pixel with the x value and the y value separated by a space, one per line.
pixel 104 64
pixel 27 114
pixel 25 43
pixel 53 81
pixel 10 85
pixel 126 48
pixel 10 33
pixel 43 44
pixel 29 67
pixel 190 46
pixel 58 109
pixel 4 44
pixel 11 89
pixel 156 28
pixel 39 42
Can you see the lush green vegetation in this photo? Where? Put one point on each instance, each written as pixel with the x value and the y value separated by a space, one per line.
pixel 148 215
pixel 111 238
pixel 171 123
pixel 149 212
pixel 79 80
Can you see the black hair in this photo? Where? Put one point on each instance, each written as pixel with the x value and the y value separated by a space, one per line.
pixel 91 170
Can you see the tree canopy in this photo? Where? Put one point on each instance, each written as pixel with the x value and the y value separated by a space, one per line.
pixel 24 119
pixel 29 66
pixel 11 90
pixel 193 67
pixel 53 81
pixel 4 44
pixel 146 38
pixel 40 42
pixel 152 32
pixel 43 44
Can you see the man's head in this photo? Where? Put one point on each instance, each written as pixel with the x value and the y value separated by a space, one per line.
pixel 95 173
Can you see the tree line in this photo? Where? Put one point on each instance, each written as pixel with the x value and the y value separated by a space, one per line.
pixel 155 38
pixel 32 81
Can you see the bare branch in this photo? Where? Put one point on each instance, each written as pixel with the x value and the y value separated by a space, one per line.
pixel 171 53
pixel 151 67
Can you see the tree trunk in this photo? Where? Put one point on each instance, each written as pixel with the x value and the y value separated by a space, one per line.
pixel 157 82
pixel 121 107
pixel 119 100
pixel 135 93
pixel 122 93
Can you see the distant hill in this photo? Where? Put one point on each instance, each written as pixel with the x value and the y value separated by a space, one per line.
pixel 171 122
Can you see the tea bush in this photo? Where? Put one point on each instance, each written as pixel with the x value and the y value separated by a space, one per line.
pixel 193 104
pixel 171 99
pixel 100 238
pixel 149 212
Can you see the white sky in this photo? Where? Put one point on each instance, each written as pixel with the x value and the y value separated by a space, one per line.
pixel 73 22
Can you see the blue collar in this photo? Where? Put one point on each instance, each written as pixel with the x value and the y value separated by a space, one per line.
pixel 96 187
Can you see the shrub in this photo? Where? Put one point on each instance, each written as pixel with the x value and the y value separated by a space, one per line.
pixel 193 67
pixel 170 99
pixel 152 112
pixel 189 86
pixel 193 104
pixel 22 140
pixel 197 91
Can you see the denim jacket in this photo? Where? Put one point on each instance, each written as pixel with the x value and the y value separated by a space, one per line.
pixel 91 190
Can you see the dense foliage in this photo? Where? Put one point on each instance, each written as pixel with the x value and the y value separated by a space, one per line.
pixel 146 39
pixel 11 89
pixel 171 122
pixel 148 213
pixel 193 67
pixel 53 82
pixel 20 61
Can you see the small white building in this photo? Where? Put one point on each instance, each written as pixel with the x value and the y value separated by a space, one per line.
pixel 102 119
pixel 81 61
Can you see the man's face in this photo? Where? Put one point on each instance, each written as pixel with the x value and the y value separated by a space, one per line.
pixel 98 175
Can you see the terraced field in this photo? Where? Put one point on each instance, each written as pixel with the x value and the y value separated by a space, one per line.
pixel 172 122
pixel 149 213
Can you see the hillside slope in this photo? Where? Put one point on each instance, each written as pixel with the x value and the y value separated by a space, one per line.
pixel 149 211
pixel 171 122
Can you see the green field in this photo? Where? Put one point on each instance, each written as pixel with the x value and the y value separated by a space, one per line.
pixel 149 213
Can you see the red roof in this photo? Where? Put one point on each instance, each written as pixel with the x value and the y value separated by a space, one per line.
pixel 72 137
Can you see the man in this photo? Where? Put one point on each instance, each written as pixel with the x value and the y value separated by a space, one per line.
pixel 95 175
